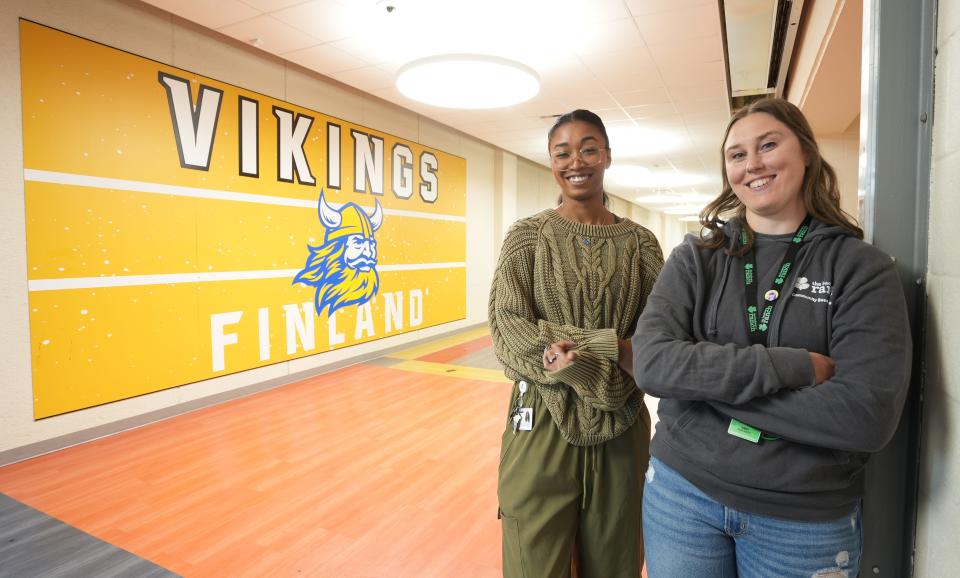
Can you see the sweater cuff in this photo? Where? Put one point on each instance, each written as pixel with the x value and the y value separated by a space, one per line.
pixel 605 343
pixel 582 372
pixel 793 366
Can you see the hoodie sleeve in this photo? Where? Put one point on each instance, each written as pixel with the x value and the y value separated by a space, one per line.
pixel 670 362
pixel 859 408
pixel 519 337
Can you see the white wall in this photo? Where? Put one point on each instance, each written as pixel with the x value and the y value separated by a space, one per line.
pixel 842 151
pixel 825 84
pixel 938 525
pixel 536 189
pixel 668 229
pixel 146 31
pixel 505 204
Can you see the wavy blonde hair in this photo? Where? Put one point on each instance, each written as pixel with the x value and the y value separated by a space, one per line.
pixel 820 193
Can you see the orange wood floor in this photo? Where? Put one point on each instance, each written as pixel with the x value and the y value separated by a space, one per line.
pixel 369 472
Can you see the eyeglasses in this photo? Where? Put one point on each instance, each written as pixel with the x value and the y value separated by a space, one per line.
pixel 589 157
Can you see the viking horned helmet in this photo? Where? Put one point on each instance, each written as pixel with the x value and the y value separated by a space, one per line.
pixel 351 219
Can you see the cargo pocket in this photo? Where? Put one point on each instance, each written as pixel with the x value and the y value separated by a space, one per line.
pixel 512 551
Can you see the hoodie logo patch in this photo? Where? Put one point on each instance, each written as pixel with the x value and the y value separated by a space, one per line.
pixel 816 291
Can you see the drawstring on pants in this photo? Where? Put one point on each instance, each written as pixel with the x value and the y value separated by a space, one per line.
pixel 589 465
pixel 583 480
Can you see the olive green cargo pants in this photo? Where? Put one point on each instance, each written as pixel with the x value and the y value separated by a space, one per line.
pixel 559 501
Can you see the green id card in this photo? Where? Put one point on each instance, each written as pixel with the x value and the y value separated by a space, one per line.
pixel 743 431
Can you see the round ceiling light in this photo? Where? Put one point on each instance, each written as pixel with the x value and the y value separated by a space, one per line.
pixel 467 81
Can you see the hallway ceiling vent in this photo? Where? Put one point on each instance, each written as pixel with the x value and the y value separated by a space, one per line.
pixel 759 36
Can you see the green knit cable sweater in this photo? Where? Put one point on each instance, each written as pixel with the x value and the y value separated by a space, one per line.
pixel 558 279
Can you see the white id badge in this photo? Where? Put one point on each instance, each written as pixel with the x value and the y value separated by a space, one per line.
pixel 526 419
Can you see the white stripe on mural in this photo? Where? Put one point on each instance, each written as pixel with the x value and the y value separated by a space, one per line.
pixel 172 278
pixel 58 178
pixel 168 279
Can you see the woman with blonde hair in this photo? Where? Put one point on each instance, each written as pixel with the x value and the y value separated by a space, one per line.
pixel 779 345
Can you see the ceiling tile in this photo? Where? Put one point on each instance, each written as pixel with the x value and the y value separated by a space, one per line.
pixel 595 103
pixel 612 115
pixel 632 82
pixel 488 118
pixel 679 24
pixel 367 78
pixel 705 105
pixel 540 107
pixel 641 139
pixel 593 11
pixel 619 61
pixel 271 5
pixel 570 74
pixel 678 55
pixel 648 96
pixel 209 13
pixel 274 36
pixel 325 20
pixel 669 123
pixel 707 118
pixel 373 50
pixel 622 33
pixel 325 59
pixel 696 75
pixel 715 90
pixel 644 7
pixel 649 111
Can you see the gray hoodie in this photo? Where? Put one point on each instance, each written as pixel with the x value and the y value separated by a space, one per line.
pixel 692 350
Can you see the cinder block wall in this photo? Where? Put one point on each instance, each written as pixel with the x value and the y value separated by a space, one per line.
pixel 939 516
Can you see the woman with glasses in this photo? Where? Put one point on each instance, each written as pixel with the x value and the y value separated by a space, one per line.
pixel 569 287
pixel 779 345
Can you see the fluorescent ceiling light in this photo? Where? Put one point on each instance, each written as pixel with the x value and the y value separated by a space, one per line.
pixel 467 81
pixel 690 219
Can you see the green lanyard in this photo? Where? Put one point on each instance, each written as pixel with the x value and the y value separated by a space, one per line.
pixel 757 321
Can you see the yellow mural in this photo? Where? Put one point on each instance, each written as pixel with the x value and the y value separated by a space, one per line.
pixel 180 228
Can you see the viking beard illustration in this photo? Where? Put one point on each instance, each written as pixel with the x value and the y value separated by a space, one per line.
pixel 343 268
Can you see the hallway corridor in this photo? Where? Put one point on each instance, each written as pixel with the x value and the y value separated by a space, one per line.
pixel 382 469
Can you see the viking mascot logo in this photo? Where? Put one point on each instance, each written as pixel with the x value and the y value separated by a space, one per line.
pixel 344 267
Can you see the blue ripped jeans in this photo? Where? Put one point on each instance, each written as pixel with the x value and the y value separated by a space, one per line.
pixel 687 533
